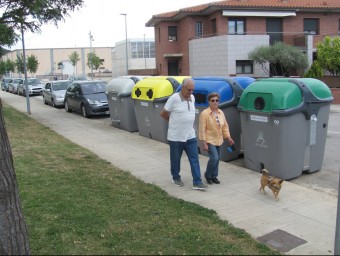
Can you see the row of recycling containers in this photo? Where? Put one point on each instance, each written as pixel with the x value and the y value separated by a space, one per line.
pixel 278 123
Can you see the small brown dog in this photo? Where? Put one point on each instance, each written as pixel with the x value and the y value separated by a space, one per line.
pixel 273 183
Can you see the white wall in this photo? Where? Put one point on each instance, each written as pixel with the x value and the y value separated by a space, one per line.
pixel 119 59
pixel 216 56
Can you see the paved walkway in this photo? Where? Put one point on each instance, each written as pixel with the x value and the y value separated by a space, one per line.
pixel 302 222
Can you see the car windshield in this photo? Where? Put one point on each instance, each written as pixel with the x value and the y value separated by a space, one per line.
pixel 16 81
pixel 58 86
pixel 93 88
pixel 33 82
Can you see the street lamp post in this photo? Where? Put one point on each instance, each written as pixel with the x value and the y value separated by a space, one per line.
pixel 144 53
pixel 25 72
pixel 126 46
pixel 91 39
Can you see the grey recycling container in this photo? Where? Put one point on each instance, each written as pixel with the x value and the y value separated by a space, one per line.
pixel 149 96
pixel 284 125
pixel 121 107
pixel 230 90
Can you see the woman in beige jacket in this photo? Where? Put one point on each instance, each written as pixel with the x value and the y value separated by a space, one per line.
pixel 213 129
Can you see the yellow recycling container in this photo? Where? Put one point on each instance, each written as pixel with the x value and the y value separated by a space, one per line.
pixel 149 96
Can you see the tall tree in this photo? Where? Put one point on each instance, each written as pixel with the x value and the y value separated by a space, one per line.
pixel 19 64
pixel 279 59
pixel 8 37
pixel 6 66
pixel 32 64
pixel 74 58
pixel 30 15
pixel 20 15
pixel 13 232
pixel 93 61
pixel 328 53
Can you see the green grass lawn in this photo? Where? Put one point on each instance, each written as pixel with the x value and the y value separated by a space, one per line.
pixel 77 203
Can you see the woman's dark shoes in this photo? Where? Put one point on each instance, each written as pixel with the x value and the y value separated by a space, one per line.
pixel 209 180
pixel 215 180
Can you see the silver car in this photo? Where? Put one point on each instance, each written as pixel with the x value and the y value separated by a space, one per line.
pixel 5 83
pixel 54 92
pixel 13 86
pixel 34 86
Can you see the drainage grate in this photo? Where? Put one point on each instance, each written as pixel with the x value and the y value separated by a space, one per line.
pixel 281 240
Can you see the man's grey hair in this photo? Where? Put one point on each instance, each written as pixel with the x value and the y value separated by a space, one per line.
pixel 187 80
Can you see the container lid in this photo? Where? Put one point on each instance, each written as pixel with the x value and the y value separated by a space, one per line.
pixel 284 95
pixel 243 81
pixel 228 89
pixel 156 88
pixel 122 85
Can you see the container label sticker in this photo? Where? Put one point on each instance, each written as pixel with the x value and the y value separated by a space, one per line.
pixel 145 104
pixel 263 119
pixel 147 121
pixel 260 141
pixel 114 98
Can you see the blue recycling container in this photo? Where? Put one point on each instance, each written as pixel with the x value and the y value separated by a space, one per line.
pixel 230 90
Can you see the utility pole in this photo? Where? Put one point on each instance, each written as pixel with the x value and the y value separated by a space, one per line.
pixel 126 46
pixel 25 72
pixel 91 39
pixel 144 53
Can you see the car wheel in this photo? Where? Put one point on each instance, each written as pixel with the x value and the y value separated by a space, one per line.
pixel 44 100
pixel 67 108
pixel 53 104
pixel 83 111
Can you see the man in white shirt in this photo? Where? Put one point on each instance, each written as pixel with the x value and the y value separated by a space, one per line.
pixel 179 110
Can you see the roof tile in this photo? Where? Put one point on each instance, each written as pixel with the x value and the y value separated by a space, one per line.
pixel 285 4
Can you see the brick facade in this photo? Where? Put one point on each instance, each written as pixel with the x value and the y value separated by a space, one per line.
pixel 292 27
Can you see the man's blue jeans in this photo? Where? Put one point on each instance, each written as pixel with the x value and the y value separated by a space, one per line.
pixel 214 159
pixel 176 151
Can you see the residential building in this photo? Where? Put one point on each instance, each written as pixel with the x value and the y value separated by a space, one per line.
pixel 215 38
pixel 54 62
pixel 140 55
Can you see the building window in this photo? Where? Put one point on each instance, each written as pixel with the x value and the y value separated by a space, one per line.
pixel 140 50
pixel 311 26
pixel 213 26
pixel 199 29
pixel 236 26
pixel 244 67
pixel 172 33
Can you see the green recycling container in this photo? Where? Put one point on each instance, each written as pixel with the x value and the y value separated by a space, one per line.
pixel 284 124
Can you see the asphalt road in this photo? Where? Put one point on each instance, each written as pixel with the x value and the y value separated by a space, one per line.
pixel 326 180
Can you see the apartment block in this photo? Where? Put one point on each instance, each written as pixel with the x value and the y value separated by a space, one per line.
pixel 215 38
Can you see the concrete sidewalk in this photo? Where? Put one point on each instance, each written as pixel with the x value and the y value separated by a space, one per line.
pixel 302 222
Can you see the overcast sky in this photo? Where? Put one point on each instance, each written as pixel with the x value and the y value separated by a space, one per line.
pixel 103 19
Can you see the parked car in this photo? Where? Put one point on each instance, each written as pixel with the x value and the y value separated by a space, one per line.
pixel 35 87
pixel 54 92
pixel 5 82
pixel 13 86
pixel 87 98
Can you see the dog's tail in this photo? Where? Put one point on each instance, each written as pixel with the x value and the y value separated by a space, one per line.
pixel 265 172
